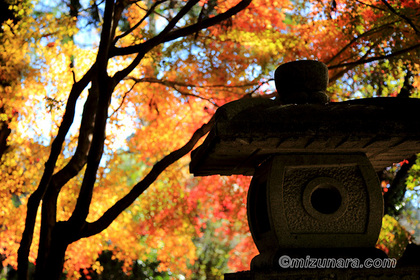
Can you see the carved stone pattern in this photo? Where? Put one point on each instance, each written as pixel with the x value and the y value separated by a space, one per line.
pixel 354 219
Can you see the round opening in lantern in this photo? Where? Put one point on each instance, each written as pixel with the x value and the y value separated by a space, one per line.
pixel 326 199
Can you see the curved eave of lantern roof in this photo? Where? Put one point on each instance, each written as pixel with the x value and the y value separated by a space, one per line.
pixel 248 131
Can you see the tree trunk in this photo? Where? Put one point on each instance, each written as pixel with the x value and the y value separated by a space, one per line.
pixel 53 267
pixel 56 236
pixel 50 266
pixel 4 133
pixel 48 224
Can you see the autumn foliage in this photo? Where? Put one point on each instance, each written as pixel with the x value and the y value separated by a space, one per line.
pixel 101 104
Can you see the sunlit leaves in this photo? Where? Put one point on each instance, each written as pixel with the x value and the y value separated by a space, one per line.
pixel 353 32
pixel 413 178
pixel 393 237
pixel 174 90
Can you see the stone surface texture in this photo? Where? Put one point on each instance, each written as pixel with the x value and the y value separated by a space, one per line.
pixel 281 211
pixel 300 82
pixel 249 131
pixel 356 223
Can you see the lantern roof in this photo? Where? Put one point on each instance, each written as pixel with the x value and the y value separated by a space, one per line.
pixel 249 131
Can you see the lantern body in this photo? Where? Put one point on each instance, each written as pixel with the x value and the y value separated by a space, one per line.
pixel 311 200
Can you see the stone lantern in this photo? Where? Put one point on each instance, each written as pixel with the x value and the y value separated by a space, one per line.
pixel 314 189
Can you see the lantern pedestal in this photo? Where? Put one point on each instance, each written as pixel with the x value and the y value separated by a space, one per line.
pixel 328 202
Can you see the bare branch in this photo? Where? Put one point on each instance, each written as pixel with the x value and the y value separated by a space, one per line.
pixel 182 32
pixel 144 48
pixel 116 16
pixel 179 15
pixel 409 21
pixel 120 75
pixel 100 92
pixel 170 83
pixel 156 13
pixel 339 74
pixel 375 58
pixel 105 42
pixel 346 69
pixel 122 101
pixel 166 35
pixel 363 35
pixel 79 158
pixel 369 5
pixel 176 84
pixel 184 93
pixel 151 10
pixel 192 29
pixel 102 87
pixel 113 212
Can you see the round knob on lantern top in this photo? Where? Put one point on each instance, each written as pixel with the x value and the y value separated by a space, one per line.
pixel 301 82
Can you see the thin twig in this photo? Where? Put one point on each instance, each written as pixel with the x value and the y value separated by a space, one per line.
pixel 166 82
pixel 369 5
pixel 156 13
pixel 409 21
pixel 152 8
pixel 122 101
pixel 181 32
pixel 365 34
pixel 375 58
